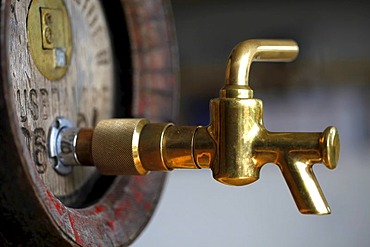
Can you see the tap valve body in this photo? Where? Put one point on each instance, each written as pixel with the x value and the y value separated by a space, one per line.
pixel 234 146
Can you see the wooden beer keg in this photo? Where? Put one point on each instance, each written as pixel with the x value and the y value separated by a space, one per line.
pixel 83 60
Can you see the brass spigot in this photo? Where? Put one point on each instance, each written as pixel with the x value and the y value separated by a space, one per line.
pixel 234 146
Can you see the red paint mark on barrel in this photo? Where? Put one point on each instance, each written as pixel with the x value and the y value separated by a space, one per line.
pixel 111 224
pixel 99 209
pixel 118 211
pixel 138 196
pixel 147 206
pixel 56 203
pixel 73 225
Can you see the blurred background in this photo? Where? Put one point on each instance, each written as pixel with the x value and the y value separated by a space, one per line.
pixel 329 84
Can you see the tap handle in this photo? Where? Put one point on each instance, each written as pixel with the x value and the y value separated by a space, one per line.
pixel 257 50
pixel 330 147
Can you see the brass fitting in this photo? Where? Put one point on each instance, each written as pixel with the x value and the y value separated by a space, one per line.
pixel 234 146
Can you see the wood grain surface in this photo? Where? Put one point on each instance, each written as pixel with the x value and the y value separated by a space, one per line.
pixel 84 95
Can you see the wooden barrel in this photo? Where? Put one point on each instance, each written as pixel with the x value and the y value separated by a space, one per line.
pixel 115 58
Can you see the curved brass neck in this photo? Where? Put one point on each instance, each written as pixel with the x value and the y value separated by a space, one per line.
pixel 254 50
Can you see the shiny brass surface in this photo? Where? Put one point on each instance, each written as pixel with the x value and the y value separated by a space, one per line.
pixel 204 148
pixel 50 37
pixel 235 145
pixel 178 147
pixel 254 50
pixel 151 147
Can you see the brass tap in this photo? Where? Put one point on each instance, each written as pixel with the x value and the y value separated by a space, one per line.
pixel 234 146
